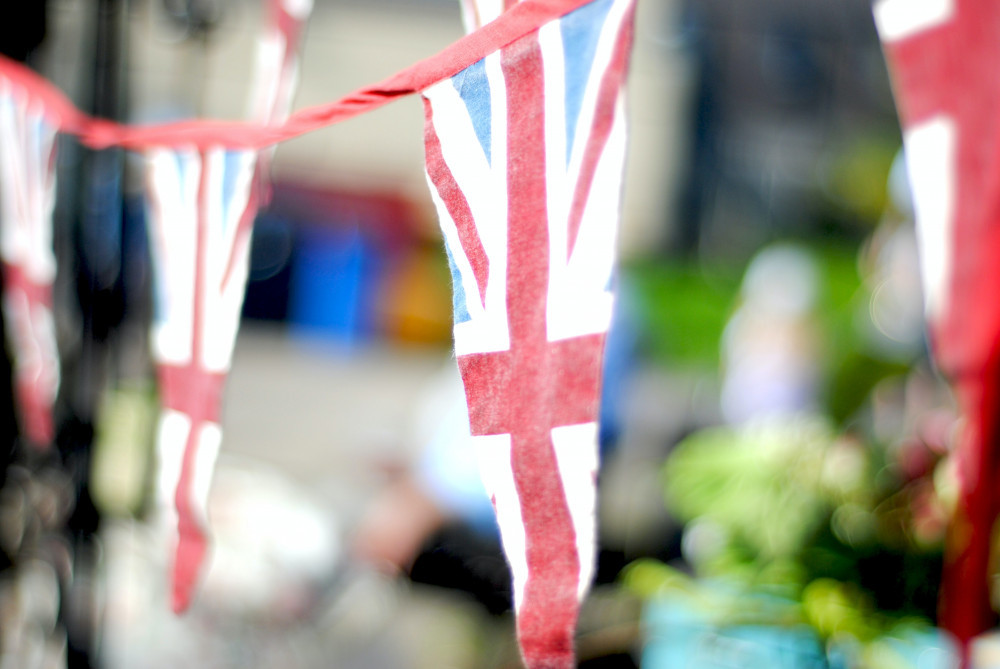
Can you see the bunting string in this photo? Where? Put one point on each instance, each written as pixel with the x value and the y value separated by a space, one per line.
pixel 522 19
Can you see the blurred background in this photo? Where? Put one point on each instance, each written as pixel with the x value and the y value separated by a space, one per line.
pixel 776 474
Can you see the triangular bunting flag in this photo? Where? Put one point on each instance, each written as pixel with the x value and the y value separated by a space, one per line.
pixel 202 209
pixel 524 151
pixel 27 197
pixel 200 218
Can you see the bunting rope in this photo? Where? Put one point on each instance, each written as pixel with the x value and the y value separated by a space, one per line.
pixel 522 19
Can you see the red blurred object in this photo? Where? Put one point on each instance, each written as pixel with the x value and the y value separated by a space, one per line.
pixel 941 55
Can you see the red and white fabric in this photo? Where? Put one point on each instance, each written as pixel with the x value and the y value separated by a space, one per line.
pixel 27 197
pixel 276 68
pixel 276 74
pixel 942 56
pixel 525 150
pixel 200 217
pixel 202 204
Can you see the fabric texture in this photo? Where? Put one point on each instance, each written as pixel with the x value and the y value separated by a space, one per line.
pixel 524 153
pixel 201 211
pixel 941 56
pixel 27 197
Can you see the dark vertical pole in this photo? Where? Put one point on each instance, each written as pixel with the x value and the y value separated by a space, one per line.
pixel 97 240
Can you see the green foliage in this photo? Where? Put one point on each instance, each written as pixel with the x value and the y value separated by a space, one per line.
pixel 684 308
pixel 795 510
pixel 806 520
pixel 761 486
pixel 684 305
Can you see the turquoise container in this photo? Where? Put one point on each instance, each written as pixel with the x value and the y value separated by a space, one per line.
pixel 680 636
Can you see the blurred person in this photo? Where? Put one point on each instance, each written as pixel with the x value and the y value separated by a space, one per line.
pixel 771 344
pixel 434 521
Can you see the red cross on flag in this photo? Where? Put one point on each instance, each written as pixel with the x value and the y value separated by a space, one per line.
pixel 943 56
pixel 27 196
pixel 524 156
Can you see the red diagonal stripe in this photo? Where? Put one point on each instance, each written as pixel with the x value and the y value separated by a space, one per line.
pixel 244 231
pixel 194 392
pixel 16 279
pixel 456 203
pixel 25 298
pixel 604 116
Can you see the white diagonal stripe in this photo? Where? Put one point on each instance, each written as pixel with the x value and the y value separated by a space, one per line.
pixel 494 453
pixel 576 454
pixel 899 19
pixel 930 161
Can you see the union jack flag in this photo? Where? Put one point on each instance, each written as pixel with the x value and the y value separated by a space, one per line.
pixel 27 197
pixel 276 72
pixel 200 216
pixel 277 64
pixel 941 55
pixel 524 154
pixel 202 206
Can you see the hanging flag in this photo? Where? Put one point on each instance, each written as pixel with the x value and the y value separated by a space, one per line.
pixel 524 152
pixel 202 208
pixel 27 197
pixel 199 206
pixel 277 63
pixel 941 55
pixel 276 73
